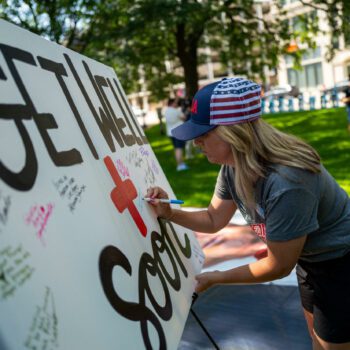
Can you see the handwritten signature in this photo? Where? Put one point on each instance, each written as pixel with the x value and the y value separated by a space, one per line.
pixel 38 217
pixel 70 190
pixel 5 204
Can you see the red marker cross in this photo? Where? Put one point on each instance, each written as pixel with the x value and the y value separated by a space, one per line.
pixel 123 195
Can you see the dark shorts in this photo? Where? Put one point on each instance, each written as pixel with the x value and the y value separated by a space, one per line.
pixel 348 112
pixel 325 292
pixel 178 143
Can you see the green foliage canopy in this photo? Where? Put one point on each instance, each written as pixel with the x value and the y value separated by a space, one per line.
pixel 137 37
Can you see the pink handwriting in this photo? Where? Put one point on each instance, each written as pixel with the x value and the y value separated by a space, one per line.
pixel 122 169
pixel 38 217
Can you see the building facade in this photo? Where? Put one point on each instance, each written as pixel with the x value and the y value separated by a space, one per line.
pixel 317 74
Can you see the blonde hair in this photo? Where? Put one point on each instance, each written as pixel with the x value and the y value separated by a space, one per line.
pixel 256 145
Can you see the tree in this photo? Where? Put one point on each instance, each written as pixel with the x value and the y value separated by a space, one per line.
pixel 338 16
pixel 140 36
pixel 66 22
pixel 178 30
pixel 76 24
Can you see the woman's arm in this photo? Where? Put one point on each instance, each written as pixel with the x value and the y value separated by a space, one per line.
pixel 280 261
pixel 210 220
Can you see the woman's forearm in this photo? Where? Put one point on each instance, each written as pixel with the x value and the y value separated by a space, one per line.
pixel 200 221
pixel 257 272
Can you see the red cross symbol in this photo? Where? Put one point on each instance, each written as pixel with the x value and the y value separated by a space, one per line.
pixel 123 195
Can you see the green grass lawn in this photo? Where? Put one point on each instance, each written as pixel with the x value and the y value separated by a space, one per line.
pixel 325 130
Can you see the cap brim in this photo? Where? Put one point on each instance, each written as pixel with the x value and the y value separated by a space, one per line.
pixel 190 130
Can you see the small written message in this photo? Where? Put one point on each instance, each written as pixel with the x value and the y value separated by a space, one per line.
pixel 38 217
pixel 5 204
pixel 15 270
pixel 70 191
pixel 43 333
pixel 139 158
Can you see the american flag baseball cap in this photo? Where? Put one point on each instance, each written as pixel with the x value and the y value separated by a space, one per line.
pixel 225 102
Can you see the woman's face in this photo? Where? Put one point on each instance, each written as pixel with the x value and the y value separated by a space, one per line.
pixel 215 148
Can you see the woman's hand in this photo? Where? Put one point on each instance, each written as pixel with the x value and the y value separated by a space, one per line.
pixel 206 280
pixel 162 210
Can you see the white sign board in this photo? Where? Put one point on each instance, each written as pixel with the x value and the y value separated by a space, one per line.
pixel 84 262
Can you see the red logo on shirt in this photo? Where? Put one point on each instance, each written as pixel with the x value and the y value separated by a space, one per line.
pixel 260 230
pixel 194 108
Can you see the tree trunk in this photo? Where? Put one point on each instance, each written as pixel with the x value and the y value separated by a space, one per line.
pixel 189 64
pixel 187 53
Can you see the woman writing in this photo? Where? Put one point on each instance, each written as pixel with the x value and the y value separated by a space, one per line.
pixel 285 195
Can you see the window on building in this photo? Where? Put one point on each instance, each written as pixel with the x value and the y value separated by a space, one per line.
pixel 310 76
pixel 293 77
pixel 288 59
pixel 296 77
pixel 304 22
pixel 348 69
pixel 310 54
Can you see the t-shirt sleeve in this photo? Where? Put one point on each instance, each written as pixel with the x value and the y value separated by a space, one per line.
pixel 291 214
pixel 221 189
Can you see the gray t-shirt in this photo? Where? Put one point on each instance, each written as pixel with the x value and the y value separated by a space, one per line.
pixel 292 202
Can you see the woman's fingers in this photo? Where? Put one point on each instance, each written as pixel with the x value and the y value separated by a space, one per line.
pixel 205 280
pixel 150 191
pixel 162 209
pixel 156 192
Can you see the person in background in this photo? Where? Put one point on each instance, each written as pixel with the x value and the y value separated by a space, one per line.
pixel 186 109
pixel 346 100
pixel 173 118
pixel 285 194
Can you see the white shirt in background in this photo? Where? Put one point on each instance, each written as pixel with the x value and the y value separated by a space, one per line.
pixel 172 118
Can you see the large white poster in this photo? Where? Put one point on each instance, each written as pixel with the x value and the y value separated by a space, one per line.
pixel 84 262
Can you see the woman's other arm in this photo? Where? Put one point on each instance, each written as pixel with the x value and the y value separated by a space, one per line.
pixel 280 261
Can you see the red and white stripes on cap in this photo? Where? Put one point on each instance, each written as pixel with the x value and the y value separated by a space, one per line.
pixel 225 102
pixel 234 101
